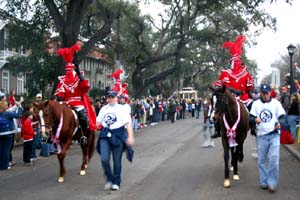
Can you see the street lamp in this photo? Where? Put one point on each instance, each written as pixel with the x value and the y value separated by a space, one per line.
pixel 291 49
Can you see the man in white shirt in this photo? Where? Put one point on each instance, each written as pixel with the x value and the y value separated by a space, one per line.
pixel 116 132
pixel 267 113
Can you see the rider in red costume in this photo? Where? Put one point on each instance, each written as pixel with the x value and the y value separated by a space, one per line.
pixel 73 89
pixel 237 79
pixel 119 86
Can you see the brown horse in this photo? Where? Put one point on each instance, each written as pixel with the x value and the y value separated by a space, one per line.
pixel 234 119
pixel 60 119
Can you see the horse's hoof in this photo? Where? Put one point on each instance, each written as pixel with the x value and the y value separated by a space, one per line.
pixel 231 168
pixel 82 172
pixel 236 177
pixel 61 179
pixel 226 183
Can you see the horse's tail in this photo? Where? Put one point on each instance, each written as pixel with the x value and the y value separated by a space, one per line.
pixel 92 144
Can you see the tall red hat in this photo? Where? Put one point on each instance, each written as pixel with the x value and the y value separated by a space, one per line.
pixel 117 75
pixel 67 54
pixel 119 86
pixel 235 48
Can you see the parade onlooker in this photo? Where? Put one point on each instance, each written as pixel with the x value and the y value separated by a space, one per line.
pixel 114 119
pixel 172 110
pixel 293 114
pixel 37 141
pixel 183 108
pixel 197 109
pixel 164 110
pixel 7 132
pixel 273 92
pixel 285 98
pixel 28 135
pixel 208 125
pixel 11 98
pixel 193 107
pixel 139 113
pixel 268 114
pixel 15 130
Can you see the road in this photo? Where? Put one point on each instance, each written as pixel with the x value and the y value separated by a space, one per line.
pixel 169 164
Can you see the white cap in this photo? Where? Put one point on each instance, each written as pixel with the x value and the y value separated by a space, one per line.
pixel 39 95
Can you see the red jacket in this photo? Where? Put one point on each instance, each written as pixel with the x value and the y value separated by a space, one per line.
pixel 240 81
pixel 73 92
pixel 11 100
pixel 27 130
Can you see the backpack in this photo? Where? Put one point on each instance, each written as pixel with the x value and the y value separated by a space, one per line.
pixel 4 125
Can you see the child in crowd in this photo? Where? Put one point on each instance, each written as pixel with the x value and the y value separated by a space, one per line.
pixel 27 135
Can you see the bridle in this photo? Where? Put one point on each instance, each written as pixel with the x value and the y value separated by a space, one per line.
pixel 222 101
pixel 44 126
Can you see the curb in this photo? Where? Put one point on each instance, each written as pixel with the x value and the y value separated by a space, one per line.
pixel 294 152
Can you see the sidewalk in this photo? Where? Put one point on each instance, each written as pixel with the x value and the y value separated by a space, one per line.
pixel 294 149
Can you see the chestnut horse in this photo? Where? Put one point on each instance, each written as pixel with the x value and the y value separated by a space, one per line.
pixel 234 121
pixel 63 123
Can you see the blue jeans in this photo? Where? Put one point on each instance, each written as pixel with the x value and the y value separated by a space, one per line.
pixel 268 149
pixel 197 114
pixel 292 121
pixel 117 151
pixel 135 124
pixel 5 144
pixel 36 142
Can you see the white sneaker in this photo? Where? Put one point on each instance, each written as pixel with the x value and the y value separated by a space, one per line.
pixel 108 186
pixel 205 144
pixel 115 187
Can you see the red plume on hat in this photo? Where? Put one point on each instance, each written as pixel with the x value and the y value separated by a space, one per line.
pixel 118 85
pixel 235 48
pixel 117 74
pixel 67 54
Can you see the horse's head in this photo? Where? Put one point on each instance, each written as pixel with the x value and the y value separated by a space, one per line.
pixel 219 101
pixel 45 115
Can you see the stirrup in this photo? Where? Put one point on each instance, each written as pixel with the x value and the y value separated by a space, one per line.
pixel 83 140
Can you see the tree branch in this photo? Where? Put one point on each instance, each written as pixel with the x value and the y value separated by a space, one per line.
pixel 158 77
pixel 57 17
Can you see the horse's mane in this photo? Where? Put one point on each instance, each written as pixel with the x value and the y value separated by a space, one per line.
pixel 56 108
pixel 230 108
pixel 230 96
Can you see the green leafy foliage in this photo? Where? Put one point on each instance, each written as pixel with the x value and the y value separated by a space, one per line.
pixel 182 48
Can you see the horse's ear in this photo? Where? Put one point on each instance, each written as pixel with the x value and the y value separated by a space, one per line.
pixel 223 88
pixel 211 88
pixel 35 104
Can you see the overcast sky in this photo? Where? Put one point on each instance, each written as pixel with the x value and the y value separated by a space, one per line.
pixel 270 46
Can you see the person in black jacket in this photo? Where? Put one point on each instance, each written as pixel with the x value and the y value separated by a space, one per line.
pixel 293 115
pixel 172 110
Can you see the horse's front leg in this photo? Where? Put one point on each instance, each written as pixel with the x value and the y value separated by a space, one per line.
pixel 232 160
pixel 241 152
pixel 226 167
pixel 235 157
pixel 61 156
pixel 84 148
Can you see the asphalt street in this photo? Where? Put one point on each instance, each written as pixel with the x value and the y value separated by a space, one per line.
pixel 169 164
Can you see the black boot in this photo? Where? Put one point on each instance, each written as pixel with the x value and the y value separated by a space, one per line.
pixel 83 122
